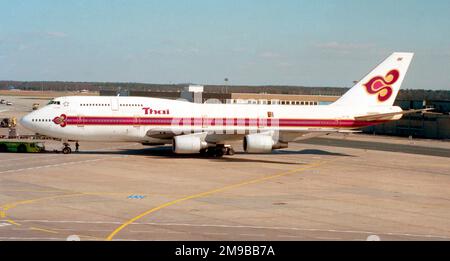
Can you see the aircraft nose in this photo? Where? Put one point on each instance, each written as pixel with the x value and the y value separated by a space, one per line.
pixel 26 121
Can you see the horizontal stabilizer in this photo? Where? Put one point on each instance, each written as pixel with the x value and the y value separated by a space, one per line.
pixel 382 116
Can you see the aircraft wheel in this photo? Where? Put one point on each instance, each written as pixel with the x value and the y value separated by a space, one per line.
pixel 66 150
pixel 218 152
pixel 214 152
pixel 230 151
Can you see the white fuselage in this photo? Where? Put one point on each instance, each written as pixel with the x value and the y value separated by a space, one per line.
pixel 154 120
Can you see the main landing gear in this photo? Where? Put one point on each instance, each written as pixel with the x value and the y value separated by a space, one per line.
pixel 217 151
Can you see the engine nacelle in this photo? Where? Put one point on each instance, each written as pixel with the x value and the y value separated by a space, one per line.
pixel 258 143
pixel 188 144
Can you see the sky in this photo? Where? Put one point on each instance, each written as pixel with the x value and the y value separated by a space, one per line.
pixel 250 42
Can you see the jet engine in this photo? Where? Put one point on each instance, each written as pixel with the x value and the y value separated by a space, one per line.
pixel 188 144
pixel 259 143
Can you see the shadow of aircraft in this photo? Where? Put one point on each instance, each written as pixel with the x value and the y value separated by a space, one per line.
pixel 311 152
pixel 166 152
pixel 379 146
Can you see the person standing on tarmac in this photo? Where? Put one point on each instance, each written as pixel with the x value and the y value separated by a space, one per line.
pixel 76 146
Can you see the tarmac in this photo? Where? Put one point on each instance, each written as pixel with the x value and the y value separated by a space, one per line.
pixel 338 187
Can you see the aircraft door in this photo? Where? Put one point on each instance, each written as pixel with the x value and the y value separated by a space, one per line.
pixel 114 104
pixel 80 121
pixel 206 122
pixel 136 121
pixel 263 120
pixel 136 130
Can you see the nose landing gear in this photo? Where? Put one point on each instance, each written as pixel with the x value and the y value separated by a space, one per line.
pixel 66 149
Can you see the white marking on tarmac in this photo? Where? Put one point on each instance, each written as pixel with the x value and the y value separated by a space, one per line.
pixel 60 164
pixel 31 238
pixel 90 230
pixel 215 234
pixel 41 161
pixel 328 238
pixel 289 236
pixel 5 224
pixel 241 226
pixel 27 158
pixel 153 232
pixel 52 155
pixel 252 235
pixel 168 232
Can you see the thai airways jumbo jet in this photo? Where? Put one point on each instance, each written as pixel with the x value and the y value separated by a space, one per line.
pixel 207 128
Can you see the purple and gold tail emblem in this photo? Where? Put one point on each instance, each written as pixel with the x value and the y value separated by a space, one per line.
pixel 383 85
pixel 60 120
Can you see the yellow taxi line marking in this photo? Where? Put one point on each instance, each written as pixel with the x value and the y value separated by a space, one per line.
pixel 4 208
pixel 214 191
pixel 9 206
pixel 13 222
pixel 43 230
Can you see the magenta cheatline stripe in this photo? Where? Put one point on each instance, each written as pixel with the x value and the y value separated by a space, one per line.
pixel 74 120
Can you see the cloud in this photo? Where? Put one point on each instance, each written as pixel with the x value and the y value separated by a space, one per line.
pixel 56 34
pixel 269 55
pixel 174 51
pixel 336 46
pixel 285 65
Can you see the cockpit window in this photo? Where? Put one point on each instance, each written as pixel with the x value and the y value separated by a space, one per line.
pixel 54 102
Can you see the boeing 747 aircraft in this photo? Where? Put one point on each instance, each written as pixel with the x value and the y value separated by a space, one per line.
pixel 207 128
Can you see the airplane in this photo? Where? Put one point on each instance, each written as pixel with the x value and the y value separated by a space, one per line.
pixel 208 128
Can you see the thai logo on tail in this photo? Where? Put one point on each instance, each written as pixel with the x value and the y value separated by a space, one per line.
pixel 60 120
pixel 383 85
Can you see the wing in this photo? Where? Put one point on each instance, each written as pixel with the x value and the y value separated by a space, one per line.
pixel 387 116
pixel 284 136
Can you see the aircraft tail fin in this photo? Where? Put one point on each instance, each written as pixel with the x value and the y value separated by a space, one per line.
pixel 380 87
